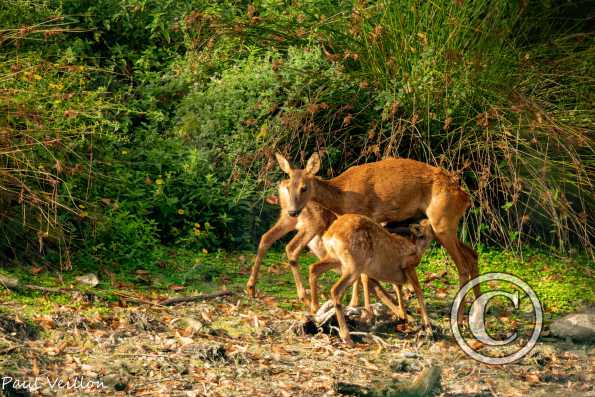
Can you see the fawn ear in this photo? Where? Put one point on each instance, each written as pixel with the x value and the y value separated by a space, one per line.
pixel 416 230
pixel 313 165
pixel 283 163
pixel 272 199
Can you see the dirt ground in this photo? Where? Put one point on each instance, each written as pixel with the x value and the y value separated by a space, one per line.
pixel 235 347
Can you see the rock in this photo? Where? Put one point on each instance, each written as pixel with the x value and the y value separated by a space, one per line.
pixel 89 279
pixel 9 282
pixel 402 365
pixel 117 381
pixel 580 327
pixel 427 384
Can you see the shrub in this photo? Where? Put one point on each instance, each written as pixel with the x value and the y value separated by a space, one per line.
pixel 489 90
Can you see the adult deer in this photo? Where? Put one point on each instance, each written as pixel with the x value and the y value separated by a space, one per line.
pixel 358 245
pixel 311 223
pixel 390 190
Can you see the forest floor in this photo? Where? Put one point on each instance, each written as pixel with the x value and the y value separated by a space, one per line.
pixel 118 333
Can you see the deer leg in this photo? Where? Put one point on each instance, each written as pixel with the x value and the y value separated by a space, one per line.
pixel 412 277
pixel 336 293
pixel 399 293
pixel 444 213
pixel 354 302
pixel 383 296
pixel 283 226
pixel 445 230
pixel 315 271
pixel 450 243
pixel 368 314
pixel 293 250
pixel 471 257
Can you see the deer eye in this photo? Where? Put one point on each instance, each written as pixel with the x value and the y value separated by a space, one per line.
pixel 304 188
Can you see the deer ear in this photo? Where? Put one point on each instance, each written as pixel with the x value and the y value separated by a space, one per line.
pixel 313 165
pixel 283 163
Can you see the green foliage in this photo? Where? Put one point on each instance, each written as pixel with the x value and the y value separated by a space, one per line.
pixel 267 101
pixel 176 186
pixel 478 88
pixel 560 284
pixel 126 238
pixel 127 126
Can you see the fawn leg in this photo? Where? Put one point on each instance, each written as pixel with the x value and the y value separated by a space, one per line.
pixel 368 314
pixel 315 271
pixel 336 293
pixel 383 296
pixel 400 299
pixel 293 250
pixel 354 302
pixel 412 277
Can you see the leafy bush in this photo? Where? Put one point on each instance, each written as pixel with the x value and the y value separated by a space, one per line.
pixel 125 239
pixel 129 125
pixel 49 125
pixel 478 88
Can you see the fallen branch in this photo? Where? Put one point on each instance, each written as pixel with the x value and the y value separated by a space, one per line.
pixel 194 298
pixel 135 299
pixel 15 285
pixel 50 289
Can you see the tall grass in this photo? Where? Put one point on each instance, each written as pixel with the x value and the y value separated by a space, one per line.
pixel 49 123
pixel 498 92
pixel 513 120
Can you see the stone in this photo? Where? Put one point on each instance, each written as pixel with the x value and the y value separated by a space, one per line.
pixel 89 279
pixel 580 327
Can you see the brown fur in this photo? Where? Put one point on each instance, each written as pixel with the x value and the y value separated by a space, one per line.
pixel 391 190
pixel 358 245
pixel 312 222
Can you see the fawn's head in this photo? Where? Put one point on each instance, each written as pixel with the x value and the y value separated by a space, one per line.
pixel 297 190
pixel 422 232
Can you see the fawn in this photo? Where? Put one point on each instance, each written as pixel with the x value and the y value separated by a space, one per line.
pixel 357 245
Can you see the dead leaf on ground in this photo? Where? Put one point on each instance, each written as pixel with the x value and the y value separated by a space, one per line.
pixel 45 321
pixel 475 344
pixel 36 269
pixel 533 378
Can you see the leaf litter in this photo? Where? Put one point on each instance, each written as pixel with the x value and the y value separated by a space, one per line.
pixel 230 346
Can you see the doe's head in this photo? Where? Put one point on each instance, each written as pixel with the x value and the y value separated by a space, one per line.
pixel 297 190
